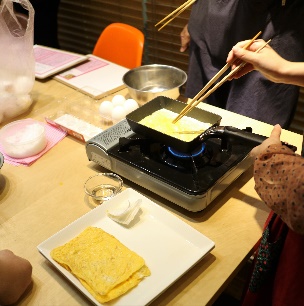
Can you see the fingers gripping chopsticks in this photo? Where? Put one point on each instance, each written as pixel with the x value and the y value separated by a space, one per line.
pixel 202 95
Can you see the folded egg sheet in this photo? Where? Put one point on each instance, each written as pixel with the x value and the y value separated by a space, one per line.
pixel 104 266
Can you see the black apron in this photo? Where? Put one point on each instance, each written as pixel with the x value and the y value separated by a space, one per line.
pixel 216 26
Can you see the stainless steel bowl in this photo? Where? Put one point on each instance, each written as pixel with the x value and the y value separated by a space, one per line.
pixel 149 81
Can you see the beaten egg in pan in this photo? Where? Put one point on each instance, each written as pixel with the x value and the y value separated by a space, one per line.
pixel 161 120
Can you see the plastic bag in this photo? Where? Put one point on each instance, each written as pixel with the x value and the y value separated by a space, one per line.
pixel 17 62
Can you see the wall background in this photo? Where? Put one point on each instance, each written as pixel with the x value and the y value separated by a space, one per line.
pixel 81 22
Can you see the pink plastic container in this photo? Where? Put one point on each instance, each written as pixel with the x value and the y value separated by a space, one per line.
pixel 23 138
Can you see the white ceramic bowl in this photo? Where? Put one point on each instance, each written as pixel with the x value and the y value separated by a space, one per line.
pixel 23 138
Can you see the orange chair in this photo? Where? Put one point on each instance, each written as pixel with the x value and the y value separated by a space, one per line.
pixel 121 44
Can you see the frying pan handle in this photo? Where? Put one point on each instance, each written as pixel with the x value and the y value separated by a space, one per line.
pixel 232 132
pixel 244 135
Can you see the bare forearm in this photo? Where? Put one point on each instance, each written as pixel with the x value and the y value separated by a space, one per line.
pixel 268 62
pixel 293 73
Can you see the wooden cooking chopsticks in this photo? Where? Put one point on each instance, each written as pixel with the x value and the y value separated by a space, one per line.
pixel 175 13
pixel 197 98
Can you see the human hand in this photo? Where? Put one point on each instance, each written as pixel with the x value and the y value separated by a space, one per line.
pixel 274 138
pixel 185 39
pixel 266 61
pixel 15 277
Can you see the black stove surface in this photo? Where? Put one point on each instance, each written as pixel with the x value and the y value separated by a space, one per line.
pixel 193 173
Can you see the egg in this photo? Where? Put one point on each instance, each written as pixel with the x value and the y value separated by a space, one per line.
pixel 118 113
pixel 6 87
pixel 130 105
pixel 101 262
pixel 118 100
pixel 23 84
pixel 8 106
pixel 24 101
pixel 105 109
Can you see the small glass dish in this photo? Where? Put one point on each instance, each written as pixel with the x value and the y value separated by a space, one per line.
pixel 103 186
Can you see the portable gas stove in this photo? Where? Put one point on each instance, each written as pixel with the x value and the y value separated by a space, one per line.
pixel 190 180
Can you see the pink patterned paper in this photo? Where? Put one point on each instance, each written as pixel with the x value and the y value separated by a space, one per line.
pixel 53 136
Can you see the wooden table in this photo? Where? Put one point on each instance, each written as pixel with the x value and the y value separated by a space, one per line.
pixel 39 200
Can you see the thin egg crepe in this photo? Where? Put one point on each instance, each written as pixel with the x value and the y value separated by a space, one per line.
pixel 104 266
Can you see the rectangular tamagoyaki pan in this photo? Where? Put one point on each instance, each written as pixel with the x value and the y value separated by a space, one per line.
pixel 162 102
pixel 214 131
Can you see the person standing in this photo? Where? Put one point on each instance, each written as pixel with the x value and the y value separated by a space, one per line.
pixel 215 26
pixel 278 273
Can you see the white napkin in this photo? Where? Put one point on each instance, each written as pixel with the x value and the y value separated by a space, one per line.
pixel 125 213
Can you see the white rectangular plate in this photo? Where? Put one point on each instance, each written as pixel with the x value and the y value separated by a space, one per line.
pixel 169 246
